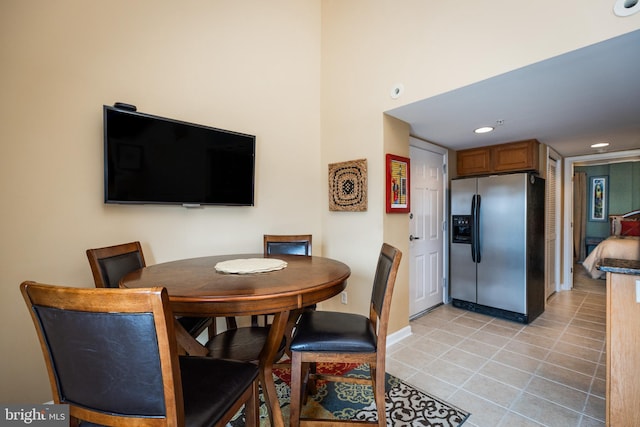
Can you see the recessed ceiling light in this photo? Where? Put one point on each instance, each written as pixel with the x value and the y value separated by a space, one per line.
pixel 600 145
pixel 484 129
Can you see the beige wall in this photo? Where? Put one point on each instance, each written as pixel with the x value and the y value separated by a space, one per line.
pixel 310 79
pixel 248 66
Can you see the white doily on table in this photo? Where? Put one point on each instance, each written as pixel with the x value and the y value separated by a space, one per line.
pixel 250 265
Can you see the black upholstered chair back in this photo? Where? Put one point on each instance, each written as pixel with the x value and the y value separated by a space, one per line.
pixel 299 244
pixel 114 268
pixel 115 353
pixel 109 264
pixel 381 279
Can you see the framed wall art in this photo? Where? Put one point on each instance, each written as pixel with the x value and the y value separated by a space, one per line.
pixel 598 196
pixel 348 186
pixel 397 191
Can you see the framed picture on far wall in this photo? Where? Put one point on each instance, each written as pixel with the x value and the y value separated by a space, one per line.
pixel 397 191
pixel 598 196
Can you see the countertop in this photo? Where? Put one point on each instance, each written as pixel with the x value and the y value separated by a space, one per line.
pixel 622 266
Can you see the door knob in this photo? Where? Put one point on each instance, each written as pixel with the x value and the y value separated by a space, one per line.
pixel 412 238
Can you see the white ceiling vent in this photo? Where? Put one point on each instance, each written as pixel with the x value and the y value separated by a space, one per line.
pixel 626 7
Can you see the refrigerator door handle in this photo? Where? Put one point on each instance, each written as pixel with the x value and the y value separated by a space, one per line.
pixel 476 229
pixel 473 228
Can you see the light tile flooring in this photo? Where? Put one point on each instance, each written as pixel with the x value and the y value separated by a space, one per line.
pixel 548 373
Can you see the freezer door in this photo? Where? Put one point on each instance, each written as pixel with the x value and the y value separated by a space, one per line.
pixel 501 272
pixel 462 268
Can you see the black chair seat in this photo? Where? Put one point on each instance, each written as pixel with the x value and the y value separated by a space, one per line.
pixel 241 344
pixel 210 387
pixel 334 332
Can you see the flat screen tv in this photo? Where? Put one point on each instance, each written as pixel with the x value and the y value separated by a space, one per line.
pixel 156 160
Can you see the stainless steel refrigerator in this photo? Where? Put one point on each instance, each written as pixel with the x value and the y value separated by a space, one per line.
pixel 497 245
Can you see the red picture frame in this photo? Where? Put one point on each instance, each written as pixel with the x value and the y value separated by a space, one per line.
pixel 398 184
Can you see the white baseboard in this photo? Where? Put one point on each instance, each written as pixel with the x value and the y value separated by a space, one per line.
pixel 398 336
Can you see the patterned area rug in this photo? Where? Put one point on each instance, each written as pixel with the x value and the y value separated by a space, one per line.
pixel 406 405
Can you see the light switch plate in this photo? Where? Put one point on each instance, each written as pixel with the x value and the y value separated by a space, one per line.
pixel 637 290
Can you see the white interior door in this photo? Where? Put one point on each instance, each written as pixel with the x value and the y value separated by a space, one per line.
pixel 426 246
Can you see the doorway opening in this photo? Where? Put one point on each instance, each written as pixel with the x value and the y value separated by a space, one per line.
pixel 568 202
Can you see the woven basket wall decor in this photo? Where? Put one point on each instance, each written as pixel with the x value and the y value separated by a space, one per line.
pixel 348 186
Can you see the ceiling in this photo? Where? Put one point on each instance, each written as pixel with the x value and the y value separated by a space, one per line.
pixel 568 102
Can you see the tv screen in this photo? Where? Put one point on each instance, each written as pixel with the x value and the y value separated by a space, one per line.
pixel 151 159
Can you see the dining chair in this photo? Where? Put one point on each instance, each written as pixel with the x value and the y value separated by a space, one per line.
pixel 287 244
pixel 323 336
pixel 112 356
pixel 109 264
pixel 246 342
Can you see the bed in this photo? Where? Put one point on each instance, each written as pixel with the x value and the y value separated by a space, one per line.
pixel 623 243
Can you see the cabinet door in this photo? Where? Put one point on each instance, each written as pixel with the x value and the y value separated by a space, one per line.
pixel 517 156
pixel 476 161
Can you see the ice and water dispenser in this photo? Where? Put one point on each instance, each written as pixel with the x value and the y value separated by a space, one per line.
pixel 462 228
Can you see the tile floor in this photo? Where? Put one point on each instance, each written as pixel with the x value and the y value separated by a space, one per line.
pixel 548 373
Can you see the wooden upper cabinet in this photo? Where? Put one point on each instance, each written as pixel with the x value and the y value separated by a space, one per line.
pixel 516 156
pixel 476 161
pixel 511 157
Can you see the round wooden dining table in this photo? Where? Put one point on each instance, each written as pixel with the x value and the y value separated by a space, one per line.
pixel 196 288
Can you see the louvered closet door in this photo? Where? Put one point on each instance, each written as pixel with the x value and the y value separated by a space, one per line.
pixel 551 227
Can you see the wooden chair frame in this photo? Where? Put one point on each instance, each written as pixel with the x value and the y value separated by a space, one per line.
pixel 95 255
pixel 246 342
pixel 195 326
pixel 302 361
pixel 287 238
pixel 152 300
